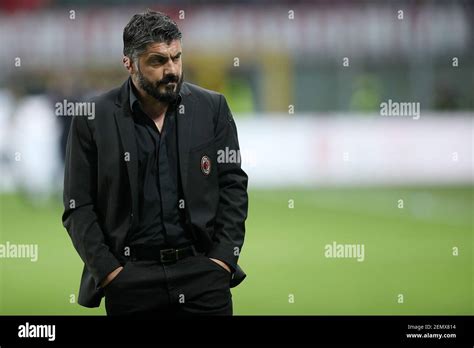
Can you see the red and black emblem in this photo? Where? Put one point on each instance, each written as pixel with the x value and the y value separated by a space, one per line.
pixel 205 165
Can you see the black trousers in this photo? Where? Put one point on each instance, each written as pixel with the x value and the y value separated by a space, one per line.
pixel 195 285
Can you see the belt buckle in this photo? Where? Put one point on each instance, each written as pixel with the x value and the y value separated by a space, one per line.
pixel 163 252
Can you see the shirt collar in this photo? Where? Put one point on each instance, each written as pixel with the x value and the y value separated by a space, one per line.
pixel 133 96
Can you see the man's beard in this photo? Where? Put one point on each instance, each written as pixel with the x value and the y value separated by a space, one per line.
pixel 153 88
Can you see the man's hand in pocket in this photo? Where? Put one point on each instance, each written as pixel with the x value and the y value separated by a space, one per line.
pixel 111 276
pixel 222 264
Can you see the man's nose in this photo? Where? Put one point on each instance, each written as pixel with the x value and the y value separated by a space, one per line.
pixel 170 68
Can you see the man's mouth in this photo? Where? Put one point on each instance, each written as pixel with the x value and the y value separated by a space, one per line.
pixel 168 83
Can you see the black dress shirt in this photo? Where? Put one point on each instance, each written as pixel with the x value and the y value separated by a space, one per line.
pixel 161 217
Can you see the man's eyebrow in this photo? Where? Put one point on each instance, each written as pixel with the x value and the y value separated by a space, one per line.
pixel 156 54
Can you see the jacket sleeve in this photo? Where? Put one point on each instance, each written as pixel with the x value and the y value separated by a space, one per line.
pixel 233 200
pixel 80 187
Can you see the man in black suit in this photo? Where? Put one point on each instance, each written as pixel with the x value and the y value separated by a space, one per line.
pixel 155 212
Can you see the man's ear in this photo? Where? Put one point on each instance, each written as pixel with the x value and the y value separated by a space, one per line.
pixel 127 63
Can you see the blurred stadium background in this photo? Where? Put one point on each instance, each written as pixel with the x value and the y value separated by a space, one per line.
pixel 324 165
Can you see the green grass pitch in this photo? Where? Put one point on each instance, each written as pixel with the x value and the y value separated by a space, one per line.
pixel 408 251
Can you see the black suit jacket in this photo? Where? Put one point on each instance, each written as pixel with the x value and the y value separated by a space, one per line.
pixel 101 193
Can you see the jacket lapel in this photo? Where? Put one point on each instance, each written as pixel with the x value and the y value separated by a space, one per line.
pixel 126 127
pixel 184 125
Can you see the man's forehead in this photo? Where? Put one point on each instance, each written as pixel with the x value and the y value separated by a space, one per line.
pixel 171 48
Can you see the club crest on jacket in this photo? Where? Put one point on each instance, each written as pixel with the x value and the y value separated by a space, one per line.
pixel 205 165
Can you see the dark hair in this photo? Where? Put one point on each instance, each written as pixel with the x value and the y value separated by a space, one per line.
pixel 146 28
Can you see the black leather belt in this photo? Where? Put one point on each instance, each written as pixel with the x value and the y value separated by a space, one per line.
pixel 160 254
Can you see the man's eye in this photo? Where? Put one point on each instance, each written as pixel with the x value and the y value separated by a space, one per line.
pixel 157 61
